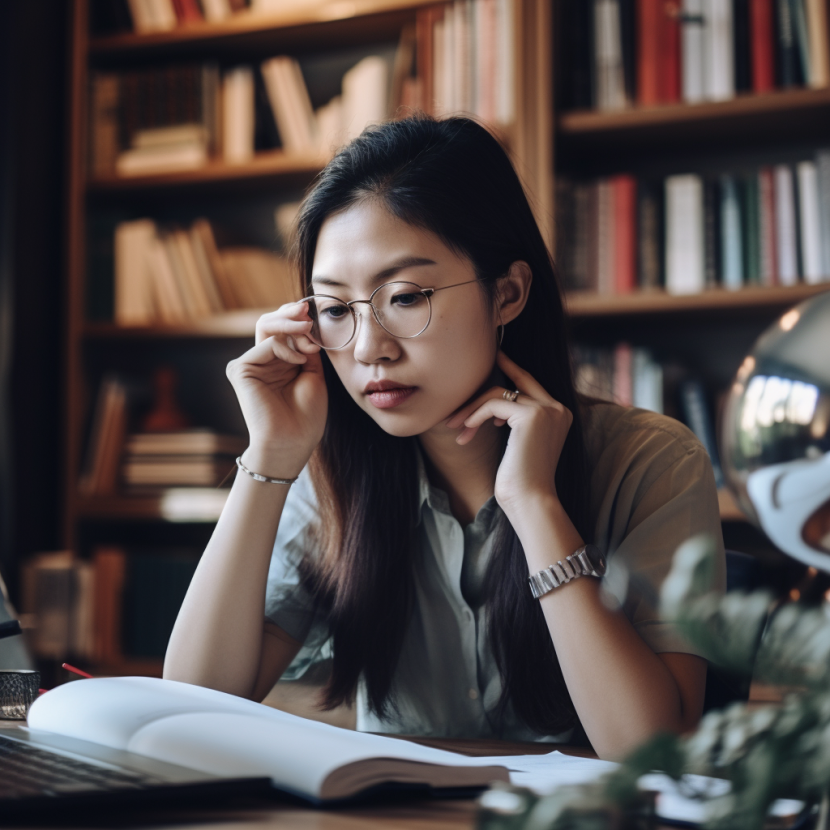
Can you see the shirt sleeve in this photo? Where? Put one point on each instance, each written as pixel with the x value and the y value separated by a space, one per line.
pixel 288 603
pixel 663 492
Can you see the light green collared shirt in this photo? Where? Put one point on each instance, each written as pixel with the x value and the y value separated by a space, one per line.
pixel 652 487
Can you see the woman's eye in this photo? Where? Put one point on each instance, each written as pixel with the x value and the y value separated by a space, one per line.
pixel 405 299
pixel 335 312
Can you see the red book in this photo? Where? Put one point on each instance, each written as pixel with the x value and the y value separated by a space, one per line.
pixel 762 44
pixel 625 233
pixel 649 13
pixel 668 62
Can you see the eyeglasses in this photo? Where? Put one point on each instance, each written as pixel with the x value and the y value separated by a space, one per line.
pixel 403 309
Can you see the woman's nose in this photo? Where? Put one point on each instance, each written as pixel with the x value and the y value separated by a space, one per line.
pixel 372 342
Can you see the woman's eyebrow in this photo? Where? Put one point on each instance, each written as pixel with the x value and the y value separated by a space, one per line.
pixel 400 265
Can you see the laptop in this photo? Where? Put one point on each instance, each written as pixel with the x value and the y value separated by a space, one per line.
pixel 41 772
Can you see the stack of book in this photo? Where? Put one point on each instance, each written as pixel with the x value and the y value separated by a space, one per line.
pixel 648 52
pixel 194 457
pixel 171 275
pixel 146 16
pixel 115 605
pixel 690 232
pixel 168 118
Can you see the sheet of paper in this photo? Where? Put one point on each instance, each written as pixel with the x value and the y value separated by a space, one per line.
pixel 675 802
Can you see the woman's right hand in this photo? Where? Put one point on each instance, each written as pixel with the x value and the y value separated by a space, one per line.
pixel 282 392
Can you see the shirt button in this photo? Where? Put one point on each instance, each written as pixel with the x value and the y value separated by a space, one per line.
pixel 473 694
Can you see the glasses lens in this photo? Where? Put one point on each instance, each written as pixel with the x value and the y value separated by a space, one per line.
pixel 332 322
pixel 402 308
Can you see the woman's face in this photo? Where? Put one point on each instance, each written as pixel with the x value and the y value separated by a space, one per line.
pixel 438 371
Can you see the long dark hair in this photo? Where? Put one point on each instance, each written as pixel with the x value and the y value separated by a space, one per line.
pixel 453 178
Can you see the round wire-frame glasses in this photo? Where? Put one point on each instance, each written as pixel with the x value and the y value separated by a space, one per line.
pixel 408 315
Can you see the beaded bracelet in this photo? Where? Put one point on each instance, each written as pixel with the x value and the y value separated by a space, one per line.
pixel 258 477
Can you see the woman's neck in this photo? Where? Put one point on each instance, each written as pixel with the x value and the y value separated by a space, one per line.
pixel 466 473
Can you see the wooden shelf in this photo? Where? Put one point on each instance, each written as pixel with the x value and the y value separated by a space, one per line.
pixel 588 304
pixel 260 171
pixel 300 24
pixel 753 120
pixel 176 504
pixel 232 324
pixel 129 667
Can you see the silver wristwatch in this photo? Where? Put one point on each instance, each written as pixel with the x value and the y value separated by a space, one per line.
pixel 587 561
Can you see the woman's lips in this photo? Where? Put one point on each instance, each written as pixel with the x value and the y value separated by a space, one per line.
pixel 391 397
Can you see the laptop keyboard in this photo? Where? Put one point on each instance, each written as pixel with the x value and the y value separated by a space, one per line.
pixel 27 771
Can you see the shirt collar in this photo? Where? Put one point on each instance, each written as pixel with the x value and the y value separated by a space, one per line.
pixel 434 498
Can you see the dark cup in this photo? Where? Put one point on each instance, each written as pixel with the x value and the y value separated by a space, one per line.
pixel 18 691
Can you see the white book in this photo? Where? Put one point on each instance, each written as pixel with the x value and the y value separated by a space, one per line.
pixel 439 69
pixel 608 55
pixel 718 52
pixel 823 168
pixel 163 158
pixel 330 132
pixel 819 49
pixel 238 114
pixel 785 225
pixel 216 10
pixel 166 293
pixel 365 95
pixel 141 14
pixel 133 301
pixel 691 51
pixel 290 103
pixel 809 215
pixel 203 300
pixel 163 13
pixel 685 258
pixel 647 381
pixel 505 62
pixel 225 735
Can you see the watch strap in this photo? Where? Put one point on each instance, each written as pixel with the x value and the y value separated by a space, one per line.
pixel 571 567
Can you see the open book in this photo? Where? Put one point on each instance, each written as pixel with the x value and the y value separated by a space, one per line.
pixel 217 733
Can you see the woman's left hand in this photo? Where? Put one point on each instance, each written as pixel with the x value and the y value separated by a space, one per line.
pixel 538 424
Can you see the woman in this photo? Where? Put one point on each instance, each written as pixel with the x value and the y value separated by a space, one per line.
pixel 405 545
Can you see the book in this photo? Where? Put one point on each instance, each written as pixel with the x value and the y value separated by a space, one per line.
pixel 238 98
pixel 769 252
pixel 718 51
pixel 608 57
pixel 762 38
pixel 625 233
pixel 223 734
pixel 290 103
pixel 106 438
pixel 197 441
pixel 809 214
pixel 133 301
pixel 743 45
pixel 798 16
pixel 750 227
pixel 104 125
pixel 646 381
pixel 787 48
pixel 649 14
pixel 623 375
pixel 786 227
pixel 732 257
pixel 685 272
pixel 817 29
pixel 823 173
pixel 649 228
pixel 668 65
pixel 109 564
pixel 697 417
pixel 365 95
pixel 711 232
pixel 692 50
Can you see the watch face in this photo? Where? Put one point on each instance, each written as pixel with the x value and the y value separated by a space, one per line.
pixel 596 558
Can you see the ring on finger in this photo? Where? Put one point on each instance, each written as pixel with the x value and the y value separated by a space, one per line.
pixel 510 396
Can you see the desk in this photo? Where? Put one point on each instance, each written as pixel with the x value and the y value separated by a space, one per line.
pixel 413 814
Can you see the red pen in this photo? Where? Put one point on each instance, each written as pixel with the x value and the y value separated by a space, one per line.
pixel 75 671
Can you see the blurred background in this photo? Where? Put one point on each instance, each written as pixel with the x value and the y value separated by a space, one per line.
pixel 152 157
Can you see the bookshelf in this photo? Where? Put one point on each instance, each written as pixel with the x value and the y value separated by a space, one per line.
pixel 546 141
pixel 200 347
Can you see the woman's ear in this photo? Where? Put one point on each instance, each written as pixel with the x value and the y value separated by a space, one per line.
pixel 513 291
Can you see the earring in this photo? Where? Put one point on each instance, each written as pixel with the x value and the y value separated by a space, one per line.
pixel 500 329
